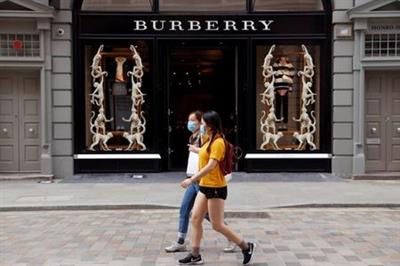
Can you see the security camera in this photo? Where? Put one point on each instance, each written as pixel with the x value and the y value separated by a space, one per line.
pixel 60 32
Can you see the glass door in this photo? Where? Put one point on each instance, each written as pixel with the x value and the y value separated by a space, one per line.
pixel 199 77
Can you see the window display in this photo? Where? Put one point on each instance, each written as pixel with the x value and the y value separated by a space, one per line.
pixel 116 117
pixel 117 5
pixel 288 5
pixel 205 5
pixel 287 104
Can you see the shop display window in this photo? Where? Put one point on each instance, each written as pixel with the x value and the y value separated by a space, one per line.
pixel 204 5
pixel 117 84
pixel 288 96
pixel 288 5
pixel 117 5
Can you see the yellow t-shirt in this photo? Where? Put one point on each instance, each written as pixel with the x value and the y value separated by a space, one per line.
pixel 214 178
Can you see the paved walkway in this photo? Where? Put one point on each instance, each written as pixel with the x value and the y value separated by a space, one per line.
pixel 250 192
pixel 285 237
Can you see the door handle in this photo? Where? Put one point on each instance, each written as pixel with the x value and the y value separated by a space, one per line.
pixel 398 130
pixel 31 130
pixel 373 130
pixel 5 130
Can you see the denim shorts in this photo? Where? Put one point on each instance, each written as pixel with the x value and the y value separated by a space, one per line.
pixel 214 192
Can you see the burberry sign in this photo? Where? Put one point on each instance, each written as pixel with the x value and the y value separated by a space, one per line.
pixel 175 25
pixel 194 25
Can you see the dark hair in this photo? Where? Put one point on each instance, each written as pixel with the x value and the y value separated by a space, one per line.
pixel 213 121
pixel 198 114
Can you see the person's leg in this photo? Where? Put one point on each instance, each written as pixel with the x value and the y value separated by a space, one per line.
pixel 185 209
pixel 184 213
pixel 198 212
pixel 216 212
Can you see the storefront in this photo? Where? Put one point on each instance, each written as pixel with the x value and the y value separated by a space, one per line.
pixel 141 67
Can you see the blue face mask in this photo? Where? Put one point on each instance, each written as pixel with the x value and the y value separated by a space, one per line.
pixel 202 129
pixel 191 126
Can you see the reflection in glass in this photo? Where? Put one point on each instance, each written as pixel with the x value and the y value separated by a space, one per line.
pixel 203 5
pixel 288 5
pixel 117 5
pixel 287 97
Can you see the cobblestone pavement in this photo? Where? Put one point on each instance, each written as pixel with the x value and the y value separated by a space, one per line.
pixel 289 237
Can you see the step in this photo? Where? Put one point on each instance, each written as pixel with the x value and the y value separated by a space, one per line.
pixel 22 176
pixel 378 176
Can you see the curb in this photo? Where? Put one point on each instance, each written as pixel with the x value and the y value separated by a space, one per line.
pixel 228 213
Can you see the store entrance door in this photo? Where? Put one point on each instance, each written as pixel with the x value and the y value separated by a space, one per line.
pixel 199 78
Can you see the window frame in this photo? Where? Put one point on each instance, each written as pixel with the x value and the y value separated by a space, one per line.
pixel 38 58
pixel 250 4
pixel 323 10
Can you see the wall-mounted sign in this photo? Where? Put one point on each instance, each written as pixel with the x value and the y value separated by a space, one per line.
pixel 150 24
pixel 384 28
pixel 175 25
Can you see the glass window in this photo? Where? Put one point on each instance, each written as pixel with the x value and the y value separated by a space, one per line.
pixel 19 45
pixel 117 5
pixel 288 97
pixel 117 82
pixel 384 45
pixel 288 5
pixel 204 5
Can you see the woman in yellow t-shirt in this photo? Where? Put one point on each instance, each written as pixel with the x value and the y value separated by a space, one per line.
pixel 213 191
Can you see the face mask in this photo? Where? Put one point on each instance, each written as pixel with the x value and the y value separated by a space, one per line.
pixel 202 129
pixel 191 126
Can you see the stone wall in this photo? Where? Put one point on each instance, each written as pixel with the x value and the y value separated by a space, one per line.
pixel 342 93
pixel 62 104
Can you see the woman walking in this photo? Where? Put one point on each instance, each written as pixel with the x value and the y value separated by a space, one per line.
pixel 213 192
pixel 193 126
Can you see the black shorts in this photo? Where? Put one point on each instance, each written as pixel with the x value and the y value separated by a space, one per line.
pixel 215 192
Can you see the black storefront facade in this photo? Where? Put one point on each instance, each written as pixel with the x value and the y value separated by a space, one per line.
pixel 203 60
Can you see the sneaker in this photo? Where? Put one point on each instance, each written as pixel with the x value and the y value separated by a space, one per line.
pixel 231 247
pixel 248 254
pixel 191 260
pixel 176 247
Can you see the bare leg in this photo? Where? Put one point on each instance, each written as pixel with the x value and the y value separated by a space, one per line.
pixel 198 212
pixel 216 212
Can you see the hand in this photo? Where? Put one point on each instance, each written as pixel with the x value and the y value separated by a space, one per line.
pixel 185 183
pixel 192 148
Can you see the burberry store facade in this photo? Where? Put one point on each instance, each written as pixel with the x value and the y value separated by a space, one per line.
pixel 143 66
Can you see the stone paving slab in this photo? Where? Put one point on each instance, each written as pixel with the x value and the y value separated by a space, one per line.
pixel 290 237
pixel 246 192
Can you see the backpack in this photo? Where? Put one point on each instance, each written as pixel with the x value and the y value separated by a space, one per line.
pixel 227 163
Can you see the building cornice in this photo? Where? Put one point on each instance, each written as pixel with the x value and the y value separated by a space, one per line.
pixel 37 10
pixel 367 10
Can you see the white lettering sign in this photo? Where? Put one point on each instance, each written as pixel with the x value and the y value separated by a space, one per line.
pixel 204 25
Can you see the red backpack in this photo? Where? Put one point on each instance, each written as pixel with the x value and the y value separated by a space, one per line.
pixel 226 164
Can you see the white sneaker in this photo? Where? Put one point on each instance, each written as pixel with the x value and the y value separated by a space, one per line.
pixel 231 247
pixel 176 247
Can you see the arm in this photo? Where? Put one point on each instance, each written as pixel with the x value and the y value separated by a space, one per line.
pixel 193 148
pixel 212 163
